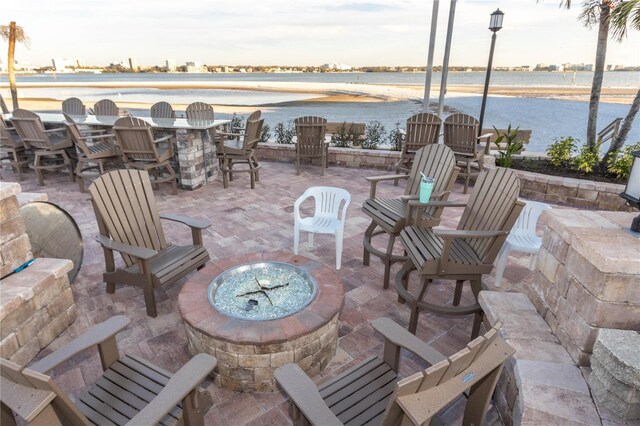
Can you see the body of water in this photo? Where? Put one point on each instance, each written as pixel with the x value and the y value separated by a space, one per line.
pixel 549 119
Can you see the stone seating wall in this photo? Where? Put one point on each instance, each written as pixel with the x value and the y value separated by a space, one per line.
pixel 36 304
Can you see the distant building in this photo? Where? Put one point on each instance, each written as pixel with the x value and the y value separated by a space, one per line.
pixel 63 64
pixel 170 64
pixel 588 67
pixel 133 64
pixel 194 67
pixel 338 67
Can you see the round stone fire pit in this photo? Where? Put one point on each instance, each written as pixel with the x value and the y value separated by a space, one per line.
pixel 256 312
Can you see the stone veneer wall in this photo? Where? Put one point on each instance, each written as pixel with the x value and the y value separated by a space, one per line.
pixel 587 277
pixel 36 304
pixel 572 192
pixel 345 157
pixel 246 367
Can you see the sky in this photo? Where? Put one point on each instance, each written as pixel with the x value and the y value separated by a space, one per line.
pixel 304 32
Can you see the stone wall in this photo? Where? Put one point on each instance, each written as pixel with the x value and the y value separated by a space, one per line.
pixel 345 157
pixel 15 248
pixel 587 277
pixel 572 192
pixel 36 304
pixel 539 385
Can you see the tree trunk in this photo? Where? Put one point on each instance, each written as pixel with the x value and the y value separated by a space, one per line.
pixel 12 72
pixel 598 74
pixel 619 141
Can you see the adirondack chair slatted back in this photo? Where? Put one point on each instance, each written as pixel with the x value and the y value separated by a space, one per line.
pixel 126 209
pixel 200 111
pixel 438 385
pixel 310 132
pixel 436 161
pixel 64 408
pixel 74 134
pixel 30 129
pixel 252 133
pixel 422 129
pixel 610 132
pixel 6 138
pixel 73 106
pixel 106 107
pixel 492 206
pixel 135 139
pixel 162 110
pixel 461 133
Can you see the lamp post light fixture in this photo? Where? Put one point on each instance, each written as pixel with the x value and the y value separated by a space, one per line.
pixel 495 24
pixel 631 192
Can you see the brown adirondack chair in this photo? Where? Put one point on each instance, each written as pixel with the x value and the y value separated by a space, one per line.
pixel 464 254
pixel 94 150
pixel 130 391
pixel 236 152
pixel 130 224
pixel 422 129
pixel 370 393
pixel 15 151
pixel 140 150
pixel 310 132
pixel 436 161
pixel 106 107
pixel 73 106
pixel 45 144
pixel 461 135
pixel 199 111
pixel 162 110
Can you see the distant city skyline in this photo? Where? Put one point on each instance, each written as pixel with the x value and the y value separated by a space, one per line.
pixel 278 32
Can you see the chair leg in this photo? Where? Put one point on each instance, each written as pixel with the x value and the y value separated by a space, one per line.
pixel 415 310
pixel 298 165
pixel 368 236
pixel 477 322
pixel 296 239
pixel 174 184
pixel 339 237
pixel 457 295
pixel 17 165
pixel 39 172
pixel 467 177
pixel 387 261
pixel 79 174
pixel 501 263
pixel 225 170
pixel 67 161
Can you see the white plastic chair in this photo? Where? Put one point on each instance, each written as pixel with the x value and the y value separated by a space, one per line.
pixel 327 218
pixel 522 237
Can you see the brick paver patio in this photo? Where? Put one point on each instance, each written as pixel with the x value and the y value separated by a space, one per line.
pixel 244 221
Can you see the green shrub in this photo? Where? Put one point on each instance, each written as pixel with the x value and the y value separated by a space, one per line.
pixel 346 137
pixel 396 136
pixel 284 133
pixel 265 133
pixel 375 134
pixel 236 122
pixel 622 160
pixel 513 146
pixel 560 152
pixel 587 160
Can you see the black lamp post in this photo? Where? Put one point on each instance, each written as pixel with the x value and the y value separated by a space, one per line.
pixel 632 191
pixel 495 24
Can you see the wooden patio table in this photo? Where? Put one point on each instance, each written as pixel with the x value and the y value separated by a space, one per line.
pixel 195 153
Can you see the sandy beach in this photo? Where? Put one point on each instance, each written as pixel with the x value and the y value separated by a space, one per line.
pixel 326 92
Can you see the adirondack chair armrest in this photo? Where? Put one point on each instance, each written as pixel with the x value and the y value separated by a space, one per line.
pixel 229 134
pixel 97 335
pixel 449 234
pixel 190 222
pixel 397 337
pixel 304 395
pixel 415 207
pixel 93 137
pixel 58 129
pixel 24 401
pixel 180 386
pixel 375 179
pixel 137 252
pixel 437 204
pixel 435 196
pixel 485 136
pixel 163 139
pixel 93 130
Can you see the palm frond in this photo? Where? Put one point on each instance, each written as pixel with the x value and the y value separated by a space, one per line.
pixel 21 35
pixel 590 14
pixel 625 15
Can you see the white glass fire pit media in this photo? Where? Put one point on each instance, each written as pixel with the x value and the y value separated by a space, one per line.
pixel 262 290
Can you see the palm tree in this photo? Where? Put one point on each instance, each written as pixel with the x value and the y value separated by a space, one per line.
pixel 625 15
pixel 13 34
pixel 595 12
